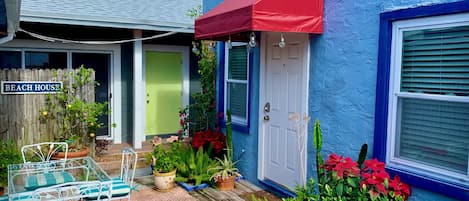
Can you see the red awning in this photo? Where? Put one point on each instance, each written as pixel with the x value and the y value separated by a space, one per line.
pixel 236 16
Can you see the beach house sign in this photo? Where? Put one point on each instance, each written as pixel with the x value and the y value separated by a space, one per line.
pixel 30 87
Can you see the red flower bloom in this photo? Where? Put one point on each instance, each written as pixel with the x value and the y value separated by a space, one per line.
pixel 374 165
pixel 373 177
pixel 342 166
pixel 216 140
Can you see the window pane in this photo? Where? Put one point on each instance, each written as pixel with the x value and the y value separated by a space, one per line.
pixel 436 61
pixel 238 63
pixel 49 60
pixel 10 59
pixel 434 133
pixel 236 99
pixel 100 62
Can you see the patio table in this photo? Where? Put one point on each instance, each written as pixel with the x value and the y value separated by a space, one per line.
pixel 26 178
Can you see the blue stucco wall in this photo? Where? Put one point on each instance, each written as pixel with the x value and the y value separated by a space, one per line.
pixel 342 83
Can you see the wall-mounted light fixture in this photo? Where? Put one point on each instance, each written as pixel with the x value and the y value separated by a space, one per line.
pixel 252 40
pixel 212 46
pixel 281 44
pixel 194 47
pixel 228 43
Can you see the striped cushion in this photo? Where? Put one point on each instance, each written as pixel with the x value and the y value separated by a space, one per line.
pixel 4 198
pixel 119 188
pixel 21 198
pixel 47 179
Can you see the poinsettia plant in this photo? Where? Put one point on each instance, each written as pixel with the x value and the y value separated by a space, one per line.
pixel 371 182
pixel 341 178
pixel 209 138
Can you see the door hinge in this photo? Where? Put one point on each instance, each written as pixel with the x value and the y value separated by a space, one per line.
pixel 110 95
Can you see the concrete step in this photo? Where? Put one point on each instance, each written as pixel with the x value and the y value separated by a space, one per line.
pixel 114 167
pixel 110 160
pixel 118 156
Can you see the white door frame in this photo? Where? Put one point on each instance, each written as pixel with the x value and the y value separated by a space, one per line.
pixel 262 78
pixel 184 50
pixel 115 71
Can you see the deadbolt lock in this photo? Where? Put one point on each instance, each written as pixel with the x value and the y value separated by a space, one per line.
pixel 267 107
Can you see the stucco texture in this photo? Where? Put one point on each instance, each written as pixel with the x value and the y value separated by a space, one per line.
pixel 343 72
pixel 342 85
pixel 343 77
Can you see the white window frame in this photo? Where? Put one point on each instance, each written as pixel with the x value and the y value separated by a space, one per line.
pixel 394 94
pixel 235 119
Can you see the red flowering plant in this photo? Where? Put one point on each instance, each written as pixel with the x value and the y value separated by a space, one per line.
pixel 341 178
pixel 209 139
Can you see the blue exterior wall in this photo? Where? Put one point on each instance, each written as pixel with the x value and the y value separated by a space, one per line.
pixel 342 85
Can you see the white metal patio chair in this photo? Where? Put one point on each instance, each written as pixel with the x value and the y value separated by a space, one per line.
pixel 43 151
pixel 124 184
pixel 74 191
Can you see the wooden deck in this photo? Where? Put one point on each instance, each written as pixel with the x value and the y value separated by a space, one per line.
pixel 211 194
pixel 243 191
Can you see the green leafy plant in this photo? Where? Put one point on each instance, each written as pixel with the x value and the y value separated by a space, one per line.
pixel 76 116
pixel 225 168
pixel 165 157
pixel 307 193
pixel 254 198
pixel 201 115
pixel 229 135
pixel 195 166
pixel 9 154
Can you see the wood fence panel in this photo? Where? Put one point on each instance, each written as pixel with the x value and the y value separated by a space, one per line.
pixel 20 113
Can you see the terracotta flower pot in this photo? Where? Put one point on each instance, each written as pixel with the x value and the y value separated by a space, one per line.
pixel 74 154
pixel 226 184
pixel 2 190
pixel 164 181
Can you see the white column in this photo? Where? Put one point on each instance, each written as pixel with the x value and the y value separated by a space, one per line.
pixel 139 93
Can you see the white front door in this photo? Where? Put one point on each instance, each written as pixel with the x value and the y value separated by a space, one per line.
pixel 283 93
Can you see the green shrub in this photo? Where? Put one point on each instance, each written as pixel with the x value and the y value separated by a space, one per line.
pixel 9 154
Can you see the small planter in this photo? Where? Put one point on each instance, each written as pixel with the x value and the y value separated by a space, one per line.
pixel 226 184
pixel 164 181
pixel 2 190
pixel 74 154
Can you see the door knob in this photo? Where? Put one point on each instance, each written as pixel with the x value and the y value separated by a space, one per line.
pixel 266 118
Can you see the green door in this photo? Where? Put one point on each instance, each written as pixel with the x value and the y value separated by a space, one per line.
pixel 163 92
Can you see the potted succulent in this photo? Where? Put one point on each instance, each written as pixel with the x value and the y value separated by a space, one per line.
pixel 164 159
pixel 225 173
pixel 10 155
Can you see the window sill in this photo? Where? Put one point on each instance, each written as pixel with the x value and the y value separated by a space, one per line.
pixel 431 184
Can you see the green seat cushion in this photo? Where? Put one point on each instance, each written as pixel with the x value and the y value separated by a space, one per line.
pixel 119 189
pixel 47 179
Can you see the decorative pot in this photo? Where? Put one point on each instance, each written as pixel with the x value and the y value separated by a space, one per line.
pixel 164 181
pixel 72 154
pixel 2 190
pixel 226 184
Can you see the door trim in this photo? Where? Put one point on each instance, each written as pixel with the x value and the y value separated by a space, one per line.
pixel 262 78
pixel 184 50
